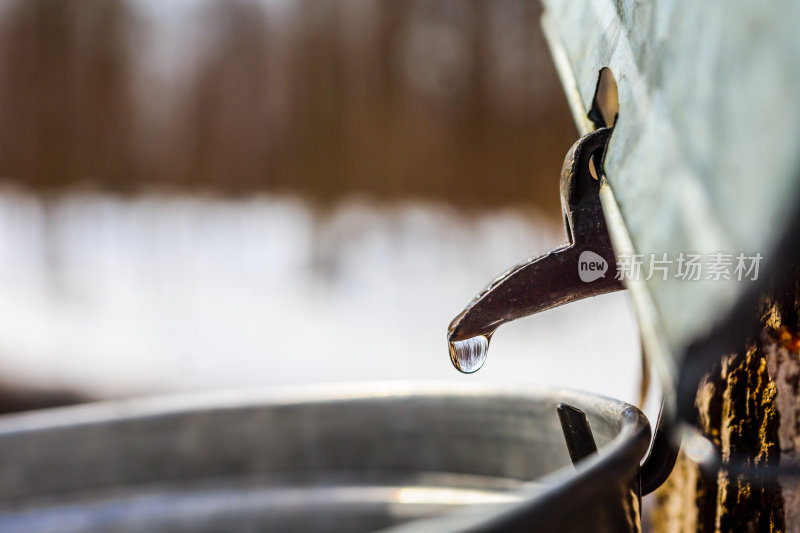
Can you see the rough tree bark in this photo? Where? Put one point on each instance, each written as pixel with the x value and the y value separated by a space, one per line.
pixel 749 405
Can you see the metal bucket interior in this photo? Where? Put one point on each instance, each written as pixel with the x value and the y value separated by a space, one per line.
pixel 352 459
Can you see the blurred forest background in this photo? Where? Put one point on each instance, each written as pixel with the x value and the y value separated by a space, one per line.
pixel 198 194
pixel 450 100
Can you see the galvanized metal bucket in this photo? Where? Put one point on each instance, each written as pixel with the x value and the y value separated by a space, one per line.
pixel 364 458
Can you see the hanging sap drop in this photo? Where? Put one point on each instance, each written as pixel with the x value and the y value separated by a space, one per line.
pixel 468 355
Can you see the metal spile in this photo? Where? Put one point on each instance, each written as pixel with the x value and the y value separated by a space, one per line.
pixel 583 267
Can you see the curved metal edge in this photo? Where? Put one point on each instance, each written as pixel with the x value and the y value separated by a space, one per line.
pixel 619 458
pixel 569 490
pixel 617 461
pixel 662 456
pixel 173 404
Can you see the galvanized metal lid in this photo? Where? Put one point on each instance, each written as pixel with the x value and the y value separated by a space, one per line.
pixel 704 157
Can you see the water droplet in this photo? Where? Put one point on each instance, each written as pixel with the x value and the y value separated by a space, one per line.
pixel 469 355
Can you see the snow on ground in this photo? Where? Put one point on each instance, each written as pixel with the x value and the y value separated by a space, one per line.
pixel 154 294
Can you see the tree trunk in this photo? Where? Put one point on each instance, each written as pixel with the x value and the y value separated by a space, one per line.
pixel 749 405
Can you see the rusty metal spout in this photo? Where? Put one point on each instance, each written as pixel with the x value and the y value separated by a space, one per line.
pixel 583 267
